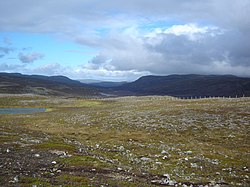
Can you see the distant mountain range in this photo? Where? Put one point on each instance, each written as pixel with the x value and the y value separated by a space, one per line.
pixel 16 83
pixel 173 85
pixel 189 85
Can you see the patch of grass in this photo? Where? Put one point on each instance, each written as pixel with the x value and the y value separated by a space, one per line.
pixel 87 103
pixel 74 180
pixel 83 161
pixel 29 181
pixel 49 109
pixel 55 145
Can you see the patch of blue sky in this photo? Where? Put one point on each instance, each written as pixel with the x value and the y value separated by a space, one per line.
pixel 163 24
pixel 55 49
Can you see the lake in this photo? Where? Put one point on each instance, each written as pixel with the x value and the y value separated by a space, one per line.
pixel 21 110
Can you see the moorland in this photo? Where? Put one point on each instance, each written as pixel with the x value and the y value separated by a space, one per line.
pixel 125 141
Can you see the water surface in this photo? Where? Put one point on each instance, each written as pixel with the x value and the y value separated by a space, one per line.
pixel 21 110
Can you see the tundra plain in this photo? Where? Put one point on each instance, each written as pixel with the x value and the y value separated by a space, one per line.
pixel 125 141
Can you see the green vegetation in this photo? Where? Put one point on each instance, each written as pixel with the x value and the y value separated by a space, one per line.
pixel 128 141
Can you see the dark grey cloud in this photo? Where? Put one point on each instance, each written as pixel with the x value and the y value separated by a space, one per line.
pixel 29 58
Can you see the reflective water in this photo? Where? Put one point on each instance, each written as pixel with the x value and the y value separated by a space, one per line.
pixel 21 110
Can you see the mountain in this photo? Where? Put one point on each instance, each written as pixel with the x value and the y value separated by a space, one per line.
pixel 16 83
pixel 189 85
pixel 107 84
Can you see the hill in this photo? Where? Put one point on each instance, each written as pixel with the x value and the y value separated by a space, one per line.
pixel 189 85
pixel 16 83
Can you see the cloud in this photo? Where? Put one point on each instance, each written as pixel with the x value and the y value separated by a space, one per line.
pixel 10 67
pixel 5 51
pixel 182 49
pixel 142 36
pixel 29 58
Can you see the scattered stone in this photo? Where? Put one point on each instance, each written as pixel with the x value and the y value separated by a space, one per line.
pixel 194 165
pixel 145 159
pixel 121 149
pixel 16 179
pixel 37 155
pixel 158 163
pixel 165 157
pixel 164 152
pixel 53 162
pixel 166 176
pixel 7 150
pixel 119 169
pixel 189 152
pixel 61 154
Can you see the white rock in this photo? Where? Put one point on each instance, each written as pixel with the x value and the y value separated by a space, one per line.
pixel 121 148
pixel 53 162
pixel 164 152
pixel 166 176
pixel 37 155
pixel 145 159
pixel 189 152
pixel 194 165
pixel 165 157
pixel 16 179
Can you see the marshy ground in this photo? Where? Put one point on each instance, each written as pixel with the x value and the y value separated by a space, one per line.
pixel 127 141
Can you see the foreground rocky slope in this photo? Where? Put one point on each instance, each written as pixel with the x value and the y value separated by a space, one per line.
pixel 130 141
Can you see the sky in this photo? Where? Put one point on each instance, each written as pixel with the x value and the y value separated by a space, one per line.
pixel 121 40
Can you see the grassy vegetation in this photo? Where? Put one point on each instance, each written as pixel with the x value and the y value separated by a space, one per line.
pixel 129 141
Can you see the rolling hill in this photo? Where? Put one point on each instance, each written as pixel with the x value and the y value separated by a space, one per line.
pixel 16 83
pixel 189 85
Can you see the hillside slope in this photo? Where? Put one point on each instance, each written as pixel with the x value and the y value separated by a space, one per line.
pixel 189 85
pixel 15 83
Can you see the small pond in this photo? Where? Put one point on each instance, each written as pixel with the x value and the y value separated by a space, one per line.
pixel 21 110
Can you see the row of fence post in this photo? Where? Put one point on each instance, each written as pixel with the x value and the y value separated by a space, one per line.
pixel 209 97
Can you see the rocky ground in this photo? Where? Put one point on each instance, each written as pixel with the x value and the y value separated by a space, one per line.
pixel 128 141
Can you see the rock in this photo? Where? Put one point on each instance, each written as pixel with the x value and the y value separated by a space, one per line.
pixel 121 149
pixel 145 159
pixel 16 179
pixel 37 155
pixel 164 152
pixel 53 162
pixel 119 169
pixel 158 163
pixel 61 154
pixel 165 157
pixel 194 165
pixel 7 150
pixel 167 176
pixel 189 152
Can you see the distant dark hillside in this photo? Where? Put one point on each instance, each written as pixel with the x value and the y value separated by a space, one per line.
pixel 107 84
pixel 16 83
pixel 189 85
